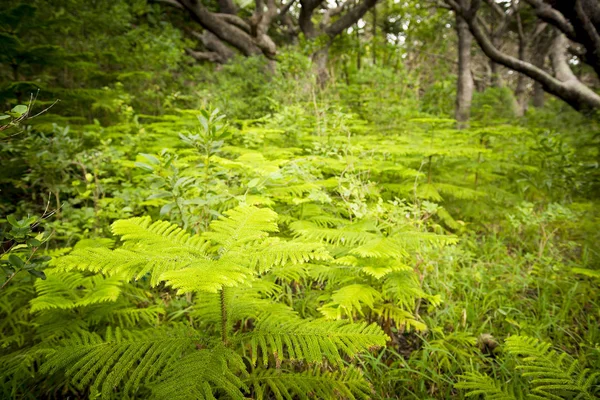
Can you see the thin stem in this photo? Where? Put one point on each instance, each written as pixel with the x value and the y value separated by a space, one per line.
pixel 9 279
pixel 429 170
pixel 223 317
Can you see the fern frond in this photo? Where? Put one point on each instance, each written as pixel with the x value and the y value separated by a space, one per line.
pixel 208 276
pixel 326 221
pixel 553 375
pixel 402 317
pixel 380 247
pixel 168 253
pixel 348 299
pixel 297 190
pixel 160 233
pixel 127 358
pixel 186 271
pixel 199 374
pixel 413 239
pixel 311 340
pixel 66 290
pixel 347 235
pixel 312 384
pixel 403 288
pixel 149 249
pixel 126 315
pixel 380 268
pixel 276 252
pixel 333 275
pixel 289 273
pixel 243 303
pixel 459 192
pixel 477 384
pixel 242 225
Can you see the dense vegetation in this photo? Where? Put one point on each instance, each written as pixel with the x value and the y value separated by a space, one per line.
pixel 314 207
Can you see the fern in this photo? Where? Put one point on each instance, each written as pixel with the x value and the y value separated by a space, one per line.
pixel 480 384
pixel 199 374
pixel 403 318
pixel 349 235
pixel 67 290
pixel 348 383
pixel 123 357
pixel 551 375
pixel 223 257
pixel 348 299
pixel 311 340
pixel 234 253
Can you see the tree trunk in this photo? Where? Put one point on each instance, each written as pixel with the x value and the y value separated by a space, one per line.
pixel 349 14
pixel 494 67
pixel 218 51
pixel 539 47
pixel 464 89
pixel 580 94
pixel 520 90
pixel 358 51
pixel 225 31
pixel 374 36
pixel 320 59
pixel 227 7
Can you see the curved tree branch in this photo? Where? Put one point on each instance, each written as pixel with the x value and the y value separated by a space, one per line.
pixel 546 13
pixel 350 18
pixel 225 31
pixel 565 86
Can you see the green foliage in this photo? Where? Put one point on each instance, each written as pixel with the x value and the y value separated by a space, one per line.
pixel 329 242
pixel 21 253
pixel 235 252
pixel 551 375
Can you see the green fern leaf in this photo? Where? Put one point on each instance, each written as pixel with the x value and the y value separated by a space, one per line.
pixel 199 374
pixel 312 340
pixel 127 358
pixel 348 299
pixel 312 384
pixel 480 384
pixel 66 290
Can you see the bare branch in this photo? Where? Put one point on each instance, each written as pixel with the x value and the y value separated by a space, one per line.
pixel 547 13
pixel 173 3
pixel 350 18
pixel 234 20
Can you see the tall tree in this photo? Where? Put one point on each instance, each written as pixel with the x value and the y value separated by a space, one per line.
pixel 464 89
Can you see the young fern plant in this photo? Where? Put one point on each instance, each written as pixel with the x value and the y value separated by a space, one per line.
pixel 243 343
pixel 551 375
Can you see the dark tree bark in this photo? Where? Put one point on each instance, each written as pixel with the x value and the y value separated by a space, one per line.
pixel 564 84
pixel 521 88
pixel 227 7
pixel 497 32
pixel 358 48
pixel 374 35
pixel 465 85
pixel 540 46
pixel 579 20
pixel 218 51
pixel 225 31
